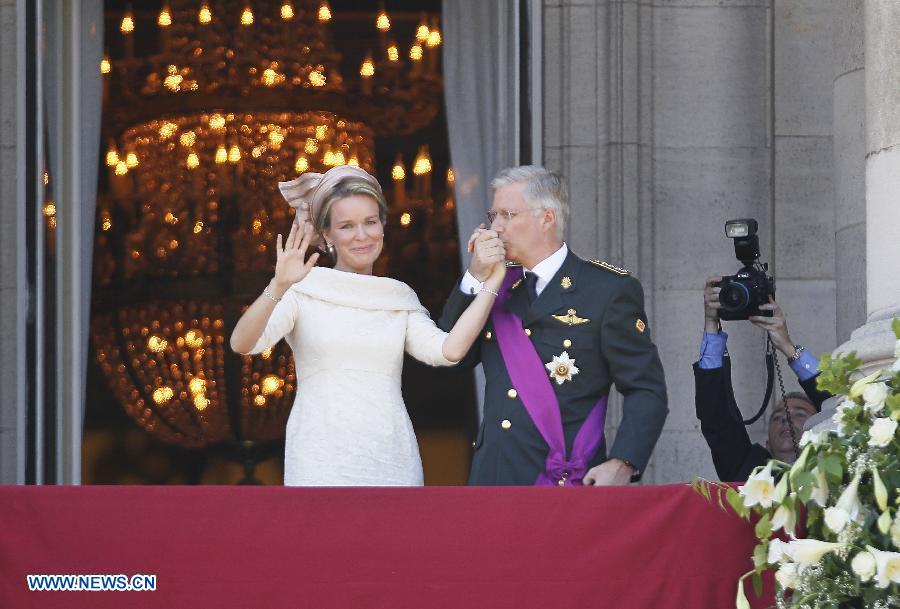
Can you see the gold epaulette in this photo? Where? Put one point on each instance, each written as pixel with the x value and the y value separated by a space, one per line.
pixel 511 264
pixel 612 268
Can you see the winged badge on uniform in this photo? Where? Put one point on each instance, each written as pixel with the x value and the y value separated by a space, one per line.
pixel 571 318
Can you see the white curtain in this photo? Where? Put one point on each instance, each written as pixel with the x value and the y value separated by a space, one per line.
pixel 481 92
pixel 481 67
pixel 73 88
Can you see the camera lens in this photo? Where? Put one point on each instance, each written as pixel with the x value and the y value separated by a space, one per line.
pixel 734 296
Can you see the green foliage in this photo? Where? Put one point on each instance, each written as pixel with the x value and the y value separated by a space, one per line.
pixel 857 481
pixel 835 373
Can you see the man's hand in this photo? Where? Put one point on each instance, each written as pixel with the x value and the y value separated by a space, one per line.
pixel 614 472
pixel 711 304
pixel 776 326
pixel 487 251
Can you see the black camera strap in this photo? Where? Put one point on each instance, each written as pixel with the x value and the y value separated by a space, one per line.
pixel 772 368
pixel 770 377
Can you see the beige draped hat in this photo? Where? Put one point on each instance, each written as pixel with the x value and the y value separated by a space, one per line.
pixel 308 192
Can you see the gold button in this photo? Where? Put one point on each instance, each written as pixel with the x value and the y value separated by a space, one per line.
pixel 488 335
pixel 562 482
pixel 567 343
pixel 527 332
pixel 505 424
pixel 513 394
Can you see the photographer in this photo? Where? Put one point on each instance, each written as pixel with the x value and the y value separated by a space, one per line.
pixel 721 421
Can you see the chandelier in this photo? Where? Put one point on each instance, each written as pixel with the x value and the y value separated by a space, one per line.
pixel 226 99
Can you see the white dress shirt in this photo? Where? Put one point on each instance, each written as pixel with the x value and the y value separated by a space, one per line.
pixel 545 270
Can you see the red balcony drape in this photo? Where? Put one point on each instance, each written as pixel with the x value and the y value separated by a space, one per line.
pixel 236 547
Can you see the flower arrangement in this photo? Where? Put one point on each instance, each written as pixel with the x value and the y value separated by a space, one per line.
pixel 847 482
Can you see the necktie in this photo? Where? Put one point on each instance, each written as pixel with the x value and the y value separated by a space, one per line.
pixel 531 286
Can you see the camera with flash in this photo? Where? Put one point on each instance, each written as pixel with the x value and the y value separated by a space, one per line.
pixel 743 292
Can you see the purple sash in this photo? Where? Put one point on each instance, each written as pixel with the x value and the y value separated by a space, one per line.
pixel 531 381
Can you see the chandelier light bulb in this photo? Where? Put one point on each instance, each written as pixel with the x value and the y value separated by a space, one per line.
pixel 162 395
pixel 127 25
pixel 204 16
pixel 367 70
pixel 157 344
pixel 302 165
pixel 397 171
pixel 317 78
pixel 422 32
pixel 393 53
pixel 324 12
pixel 105 66
pixel 131 160
pixel 415 52
pixel 112 157
pixel 247 16
pixel 405 219
pixel 287 11
pixel 423 162
pixel 234 154
pixel 121 168
pixel 434 39
pixel 197 385
pixel 193 161
pixel 271 384
pixel 165 17
pixel 217 122
pixel 383 22
pixel 167 130
pixel 221 155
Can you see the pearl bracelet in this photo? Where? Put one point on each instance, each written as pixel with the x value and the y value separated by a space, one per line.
pixel 489 291
pixel 267 293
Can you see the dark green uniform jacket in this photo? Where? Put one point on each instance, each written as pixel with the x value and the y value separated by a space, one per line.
pixel 604 328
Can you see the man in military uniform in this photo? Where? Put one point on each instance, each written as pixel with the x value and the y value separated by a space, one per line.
pixel 562 332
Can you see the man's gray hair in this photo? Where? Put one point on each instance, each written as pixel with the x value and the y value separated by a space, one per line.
pixel 544 190
pixel 794 395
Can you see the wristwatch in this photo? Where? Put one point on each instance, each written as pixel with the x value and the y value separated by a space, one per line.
pixel 798 349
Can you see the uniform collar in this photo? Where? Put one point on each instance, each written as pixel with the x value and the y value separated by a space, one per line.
pixel 547 268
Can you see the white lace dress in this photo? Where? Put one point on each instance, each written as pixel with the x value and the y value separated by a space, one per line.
pixel 348 333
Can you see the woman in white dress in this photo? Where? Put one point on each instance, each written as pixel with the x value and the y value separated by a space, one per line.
pixel 348 331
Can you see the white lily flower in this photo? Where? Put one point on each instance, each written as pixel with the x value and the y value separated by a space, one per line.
pixel 812 437
pixel 874 396
pixel 788 576
pixel 887 567
pixel 881 433
pixel 847 507
pixel 895 531
pixel 863 564
pixel 838 416
pixel 777 552
pixel 806 552
pixel 820 490
pixel 785 518
pixel 759 488
pixel 857 388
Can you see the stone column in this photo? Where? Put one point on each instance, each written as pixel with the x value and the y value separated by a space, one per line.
pixel 11 263
pixel 874 341
pixel 849 166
